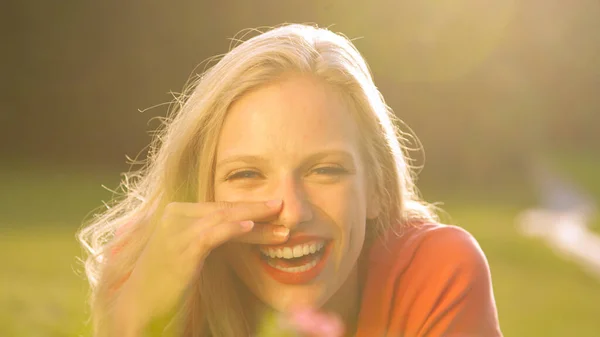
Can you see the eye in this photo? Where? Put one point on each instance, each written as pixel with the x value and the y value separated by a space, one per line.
pixel 330 170
pixel 245 174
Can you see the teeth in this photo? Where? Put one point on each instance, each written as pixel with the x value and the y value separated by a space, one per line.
pixel 298 251
pixel 287 253
pixel 295 251
pixel 298 269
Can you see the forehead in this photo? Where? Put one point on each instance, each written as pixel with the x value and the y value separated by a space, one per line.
pixel 293 116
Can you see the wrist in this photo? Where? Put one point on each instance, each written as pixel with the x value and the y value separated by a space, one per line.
pixel 127 318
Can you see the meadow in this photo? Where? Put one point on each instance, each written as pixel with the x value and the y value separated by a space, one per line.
pixel 43 290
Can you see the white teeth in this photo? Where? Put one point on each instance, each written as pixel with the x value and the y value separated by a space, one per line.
pixel 287 253
pixel 292 252
pixel 297 251
pixel 298 269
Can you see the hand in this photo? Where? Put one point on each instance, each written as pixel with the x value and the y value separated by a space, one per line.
pixel 180 243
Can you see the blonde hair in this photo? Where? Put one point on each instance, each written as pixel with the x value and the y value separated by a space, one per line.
pixel 183 152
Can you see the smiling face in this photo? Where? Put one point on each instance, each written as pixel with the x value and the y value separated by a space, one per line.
pixel 296 140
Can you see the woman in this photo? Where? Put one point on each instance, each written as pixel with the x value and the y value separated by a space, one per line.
pixel 280 183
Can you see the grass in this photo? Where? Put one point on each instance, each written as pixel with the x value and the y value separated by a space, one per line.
pixel 42 290
pixel 41 293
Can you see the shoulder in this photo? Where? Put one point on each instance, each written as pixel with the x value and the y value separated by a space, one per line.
pixel 443 244
pixel 432 278
pixel 427 261
pixel 429 246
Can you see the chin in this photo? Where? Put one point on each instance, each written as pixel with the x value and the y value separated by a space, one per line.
pixel 286 298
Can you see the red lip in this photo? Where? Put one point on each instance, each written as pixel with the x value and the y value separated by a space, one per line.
pixel 298 277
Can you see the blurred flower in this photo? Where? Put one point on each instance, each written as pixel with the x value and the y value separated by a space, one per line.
pixel 302 322
pixel 314 323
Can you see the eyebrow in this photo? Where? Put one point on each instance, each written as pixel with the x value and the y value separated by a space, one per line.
pixel 258 159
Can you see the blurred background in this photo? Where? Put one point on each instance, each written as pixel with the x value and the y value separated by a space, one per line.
pixel 503 95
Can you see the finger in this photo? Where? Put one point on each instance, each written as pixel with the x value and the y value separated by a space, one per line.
pixel 214 236
pixel 265 234
pixel 202 209
pixel 246 212
pixel 258 212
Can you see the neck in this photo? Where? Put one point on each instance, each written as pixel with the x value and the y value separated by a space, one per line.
pixel 346 302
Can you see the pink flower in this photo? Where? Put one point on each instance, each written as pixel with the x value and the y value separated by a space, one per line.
pixel 314 323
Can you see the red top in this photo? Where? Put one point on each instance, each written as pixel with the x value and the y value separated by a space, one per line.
pixel 433 280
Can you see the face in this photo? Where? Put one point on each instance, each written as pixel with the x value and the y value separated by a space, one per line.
pixel 295 140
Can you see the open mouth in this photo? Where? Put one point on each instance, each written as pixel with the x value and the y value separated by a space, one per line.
pixel 295 264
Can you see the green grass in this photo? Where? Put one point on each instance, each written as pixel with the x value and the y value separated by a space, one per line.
pixel 41 293
pixel 42 290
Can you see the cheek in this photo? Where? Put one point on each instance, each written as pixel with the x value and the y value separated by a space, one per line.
pixel 221 193
pixel 347 211
pixel 344 203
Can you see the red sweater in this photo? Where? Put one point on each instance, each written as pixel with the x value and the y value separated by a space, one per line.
pixel 433 280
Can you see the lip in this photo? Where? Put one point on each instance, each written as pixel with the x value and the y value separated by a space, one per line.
pixel 298 277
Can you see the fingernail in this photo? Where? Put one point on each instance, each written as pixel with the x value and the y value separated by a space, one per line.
pixel 281 231
pixel 274 203
pixel 247 225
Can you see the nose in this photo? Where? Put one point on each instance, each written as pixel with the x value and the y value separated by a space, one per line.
pixel 296 209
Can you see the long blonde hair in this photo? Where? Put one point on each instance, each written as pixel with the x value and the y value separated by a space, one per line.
pixel 183 151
